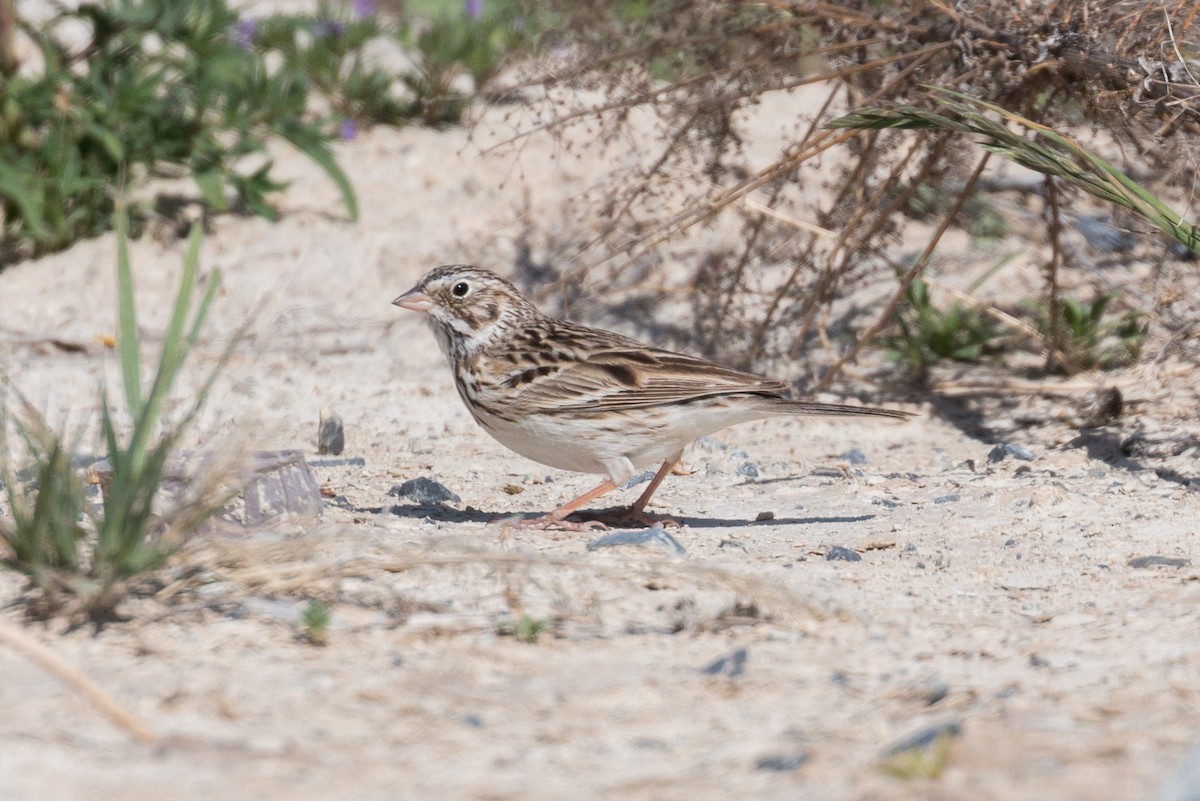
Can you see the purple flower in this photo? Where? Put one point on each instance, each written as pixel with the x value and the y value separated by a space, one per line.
pixel 328 28
pixel 473 8
pixel 363 9
pixel 348 129
pixel 243 34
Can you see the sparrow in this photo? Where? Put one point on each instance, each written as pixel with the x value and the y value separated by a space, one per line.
pixel 584 399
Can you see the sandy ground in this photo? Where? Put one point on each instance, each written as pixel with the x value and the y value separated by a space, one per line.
pixel 997 597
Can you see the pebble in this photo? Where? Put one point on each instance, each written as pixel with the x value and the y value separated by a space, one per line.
pixel 655 535
pixel 1007 449
pixel 747 469
pixel 885 503
pixel 1182 252
pixel 781 763
pixel 837 553
pixel 925 738
pixel 1100 407
pixel 424 492
pixel 762 517
pixel 1153 561
pixel 732 664
pixel 711 444
pixel 331 436
pixel 1101 234
pixel 855 456
pixel 942 500
pixel 1184 782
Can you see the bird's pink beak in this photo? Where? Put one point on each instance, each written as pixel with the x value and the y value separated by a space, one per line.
pixel 414 300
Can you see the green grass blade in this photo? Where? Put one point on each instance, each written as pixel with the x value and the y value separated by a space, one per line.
pixel 128 347
pixel 311 144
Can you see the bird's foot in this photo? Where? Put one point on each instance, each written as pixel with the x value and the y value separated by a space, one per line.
pixel 546 522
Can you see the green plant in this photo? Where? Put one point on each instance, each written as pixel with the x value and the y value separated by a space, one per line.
pixel 526 628
pixel 82 559
pixel 1048 152
pixel 316 618
pixel 473 44
pixel 1090 340
pixel 159 86
pixel 926 334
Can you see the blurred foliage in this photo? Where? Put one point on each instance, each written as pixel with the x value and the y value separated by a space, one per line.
pixel 926 335
pixel 1093 340
pixel 161 88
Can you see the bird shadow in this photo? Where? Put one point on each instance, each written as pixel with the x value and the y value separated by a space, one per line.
pixel 447 514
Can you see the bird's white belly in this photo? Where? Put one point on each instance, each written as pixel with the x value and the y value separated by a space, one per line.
pixel 618 445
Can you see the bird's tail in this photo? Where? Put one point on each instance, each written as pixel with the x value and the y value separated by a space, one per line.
pixel 837 410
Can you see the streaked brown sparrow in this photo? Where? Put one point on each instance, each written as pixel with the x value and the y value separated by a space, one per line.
pixel 583 399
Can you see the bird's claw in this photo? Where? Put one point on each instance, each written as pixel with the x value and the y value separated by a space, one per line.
pixel 548 522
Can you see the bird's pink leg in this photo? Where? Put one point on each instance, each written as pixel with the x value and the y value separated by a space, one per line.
pixel 640 504
pixel 556 518
pixel 636 515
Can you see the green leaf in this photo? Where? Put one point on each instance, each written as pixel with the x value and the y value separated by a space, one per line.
pixel 128 347
pixel 309 142
pixel 212 186
pixel 14 186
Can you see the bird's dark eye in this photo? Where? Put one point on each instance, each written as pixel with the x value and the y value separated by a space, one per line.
pixel 461 289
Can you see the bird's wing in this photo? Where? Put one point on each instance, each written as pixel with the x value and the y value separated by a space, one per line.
pixel 600 372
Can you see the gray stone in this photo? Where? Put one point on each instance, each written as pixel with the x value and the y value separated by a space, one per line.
pixel 331 436
pixel 1006 450
pixel 655 535
pixel 855 456
pixel 1156 561
pixel 781 763
pixel 732 664
pixel 837 553
pixel 424 492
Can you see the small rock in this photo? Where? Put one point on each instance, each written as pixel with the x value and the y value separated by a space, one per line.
pixel 711 444
pixel 473 720
pixel 655 535
pixel 925 738
pixel 1102 235
pixel 424 492
pixel 855 456
pixel 731 665
pixel 762 517
pixel 1153 561
pixel 942 500
pixel 781 763
pixel 1182 252
pixel 1007 449
pixel 747 469
pixel 837 553
pixel 934 691
pixel 885 503
pixel 1101 407
pixel 513 489
pixel 331 436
